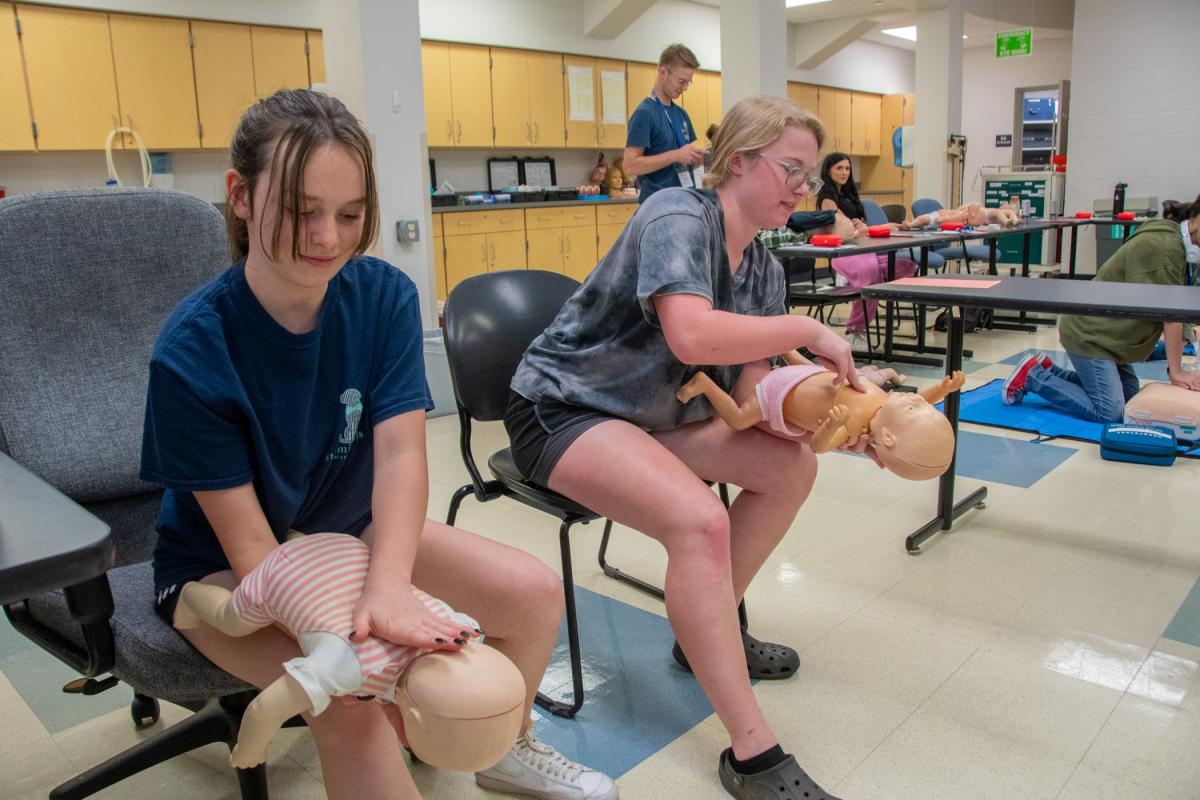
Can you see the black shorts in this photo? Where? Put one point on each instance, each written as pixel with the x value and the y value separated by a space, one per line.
pixel 539 433
pixel 165 601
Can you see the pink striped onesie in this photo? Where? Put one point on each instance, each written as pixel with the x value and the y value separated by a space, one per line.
pixel 310 585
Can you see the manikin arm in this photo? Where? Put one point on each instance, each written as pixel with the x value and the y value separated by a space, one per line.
pixel 205 602
pixel 739 418
pixel 948 384
pixel 265 715
pixel 832 431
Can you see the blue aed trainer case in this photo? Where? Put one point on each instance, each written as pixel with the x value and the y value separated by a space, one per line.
pixel 1138 444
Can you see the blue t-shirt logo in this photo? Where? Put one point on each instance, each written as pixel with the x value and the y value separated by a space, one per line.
pixel 352 400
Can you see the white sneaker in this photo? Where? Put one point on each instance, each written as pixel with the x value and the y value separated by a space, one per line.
pixel 858 342
pixel 535 769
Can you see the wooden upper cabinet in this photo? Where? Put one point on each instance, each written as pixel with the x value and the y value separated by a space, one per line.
pixel 639 81
pixel 587 126
pixel 546 110
pixel 803 95
pixel 864 124
pixel 279 59
pixel 155 88
pixel 435 77
pixel 16 126
pixel 511 98
pixel 68 60
pixel 695 102
pixel 316 57
pixel 471 95
pixel 714 99
pixel 224 70
pixel 611 110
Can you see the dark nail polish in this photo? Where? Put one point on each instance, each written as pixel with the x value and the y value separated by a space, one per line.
pixel 460 641
pixel 440 640
pixel 464 634
pixel 479 632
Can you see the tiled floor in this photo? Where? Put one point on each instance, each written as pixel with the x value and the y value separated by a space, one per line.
pixel 1022 655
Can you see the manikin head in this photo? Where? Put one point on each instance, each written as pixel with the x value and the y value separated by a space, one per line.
pixel 912 438
pixel 462 709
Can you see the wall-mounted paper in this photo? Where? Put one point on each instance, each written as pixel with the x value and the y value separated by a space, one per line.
pixel 612 91
pixel 582 94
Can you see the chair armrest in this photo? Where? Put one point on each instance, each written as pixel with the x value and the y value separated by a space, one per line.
pixel 47 541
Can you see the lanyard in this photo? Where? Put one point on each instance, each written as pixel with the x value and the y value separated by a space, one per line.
pixel 675 125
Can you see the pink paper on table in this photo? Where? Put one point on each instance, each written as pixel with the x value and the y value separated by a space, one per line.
pixel 945 283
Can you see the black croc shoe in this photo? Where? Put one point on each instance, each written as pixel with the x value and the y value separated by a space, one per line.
pixel 764 660
pixel 785 781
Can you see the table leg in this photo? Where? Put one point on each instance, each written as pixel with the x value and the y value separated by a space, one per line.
pixel 1074 242
pixel 948 510
pixel 1022 322
pixel 890 309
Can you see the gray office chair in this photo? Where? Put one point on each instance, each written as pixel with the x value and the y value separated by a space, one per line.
pixel 875 215
pixel 87 277
pixel 958 252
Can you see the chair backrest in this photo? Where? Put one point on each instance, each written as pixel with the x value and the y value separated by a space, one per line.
pixel 490 321
pixel 894 212
pixel 87 277
pixel 925 205
pixel 874 213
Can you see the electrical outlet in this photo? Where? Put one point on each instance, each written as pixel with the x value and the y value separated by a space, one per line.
pixel 407 231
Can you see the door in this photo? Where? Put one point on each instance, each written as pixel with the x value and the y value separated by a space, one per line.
pixel 471 95
pixel 639 81
pixel 579 251
pixel 580 94
pixel 439 265
pixel 607 235
pixel 714 98
pixel 827 112
pixel 511 98
pixel 546 99
pixel 68 60
pixel 803 95
pixel 316 57
pixel 435 76
pixel 864 115
pixel 224 69
pixel 545 248
pixel 466 256
pixel 844 116
pixel 611 111
pixel 279 59
pixel 506 250
pixel 155 85
pixel 16 126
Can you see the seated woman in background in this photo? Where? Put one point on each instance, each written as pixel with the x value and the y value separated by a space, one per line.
pixel 840 194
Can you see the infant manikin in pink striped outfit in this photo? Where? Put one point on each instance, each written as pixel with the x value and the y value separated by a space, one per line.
pixel 309 586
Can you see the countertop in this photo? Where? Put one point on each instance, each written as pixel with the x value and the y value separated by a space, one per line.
pixel 547 204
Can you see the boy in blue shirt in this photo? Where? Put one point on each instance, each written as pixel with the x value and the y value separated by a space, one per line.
pixel 658 150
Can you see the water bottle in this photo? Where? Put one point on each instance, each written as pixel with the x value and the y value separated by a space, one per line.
pixel 1119 198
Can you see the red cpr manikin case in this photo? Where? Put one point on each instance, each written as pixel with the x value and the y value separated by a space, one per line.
pixel 879 231
pixel 825 240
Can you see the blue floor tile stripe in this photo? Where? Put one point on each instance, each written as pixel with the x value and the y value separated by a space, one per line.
pixel 1185 626
pixel 637 700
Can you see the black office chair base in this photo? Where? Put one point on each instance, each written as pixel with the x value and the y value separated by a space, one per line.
pixel 217 721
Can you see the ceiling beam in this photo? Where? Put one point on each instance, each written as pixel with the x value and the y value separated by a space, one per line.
pixel 814 42
pixel 608 19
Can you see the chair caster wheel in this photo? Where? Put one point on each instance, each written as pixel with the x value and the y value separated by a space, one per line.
pixel 144 711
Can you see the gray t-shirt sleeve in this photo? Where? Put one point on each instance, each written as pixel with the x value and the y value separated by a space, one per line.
pixel 674 257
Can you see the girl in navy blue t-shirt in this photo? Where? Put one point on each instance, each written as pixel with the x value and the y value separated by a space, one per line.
pixel 288 396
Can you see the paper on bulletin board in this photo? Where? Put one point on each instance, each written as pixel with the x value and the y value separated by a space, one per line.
pixel 582 94
pixel 612 92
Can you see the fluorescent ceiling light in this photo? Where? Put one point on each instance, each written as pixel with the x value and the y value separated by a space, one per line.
pixel 909 33
pixel 795 3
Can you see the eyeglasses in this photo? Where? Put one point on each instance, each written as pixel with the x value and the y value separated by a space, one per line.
pixel 681 82
pixel 795 177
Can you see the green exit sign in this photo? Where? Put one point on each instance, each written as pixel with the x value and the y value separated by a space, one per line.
pixel 1014 43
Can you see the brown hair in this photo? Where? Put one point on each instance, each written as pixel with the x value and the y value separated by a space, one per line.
pixel 275 137
pixel 678 55
pixel 752 124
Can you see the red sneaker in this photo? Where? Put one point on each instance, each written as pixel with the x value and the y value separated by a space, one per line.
pixel 1014 385
pixel 1046 361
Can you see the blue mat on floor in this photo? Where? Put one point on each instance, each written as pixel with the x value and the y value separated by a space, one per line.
pixel 983 406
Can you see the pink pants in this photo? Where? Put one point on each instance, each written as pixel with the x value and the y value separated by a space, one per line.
pixel 864 270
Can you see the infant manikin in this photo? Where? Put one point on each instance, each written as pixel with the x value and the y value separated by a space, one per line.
pixel 973 214
pixel 911 437
pixel 460 709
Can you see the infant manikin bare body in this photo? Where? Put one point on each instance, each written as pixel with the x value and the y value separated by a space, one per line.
pixel 911 437
pixel 973 214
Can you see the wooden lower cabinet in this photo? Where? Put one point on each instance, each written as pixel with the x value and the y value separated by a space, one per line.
pixel 579 258
pixel 466 256
pixel 439 266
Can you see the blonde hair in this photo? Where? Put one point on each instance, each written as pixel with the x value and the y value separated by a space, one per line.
pixel 678 55
pixel 752 124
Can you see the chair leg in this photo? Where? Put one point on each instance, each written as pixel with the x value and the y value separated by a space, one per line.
pixel 456 501
pixel 557 707
pixel 218 721
pixel 617 574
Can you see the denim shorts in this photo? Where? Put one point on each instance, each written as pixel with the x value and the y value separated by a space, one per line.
pixel 539 433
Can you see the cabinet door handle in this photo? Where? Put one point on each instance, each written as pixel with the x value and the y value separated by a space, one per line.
pixel 537 133
pixel 483 252
pixel 458 124
pixel 560 245
pixel 568 240
pixel 492 261
pixel 450 130
pixel 528 133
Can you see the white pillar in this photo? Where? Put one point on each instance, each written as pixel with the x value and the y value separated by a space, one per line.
pixel 373 64
pixel 753 49
pixel 939 99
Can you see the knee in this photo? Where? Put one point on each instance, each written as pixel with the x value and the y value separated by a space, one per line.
pixel 537 594
pixel 349 726
pixel 787 470
pixel 701 528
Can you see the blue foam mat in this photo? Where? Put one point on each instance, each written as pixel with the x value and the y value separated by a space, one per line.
pixel 983 406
